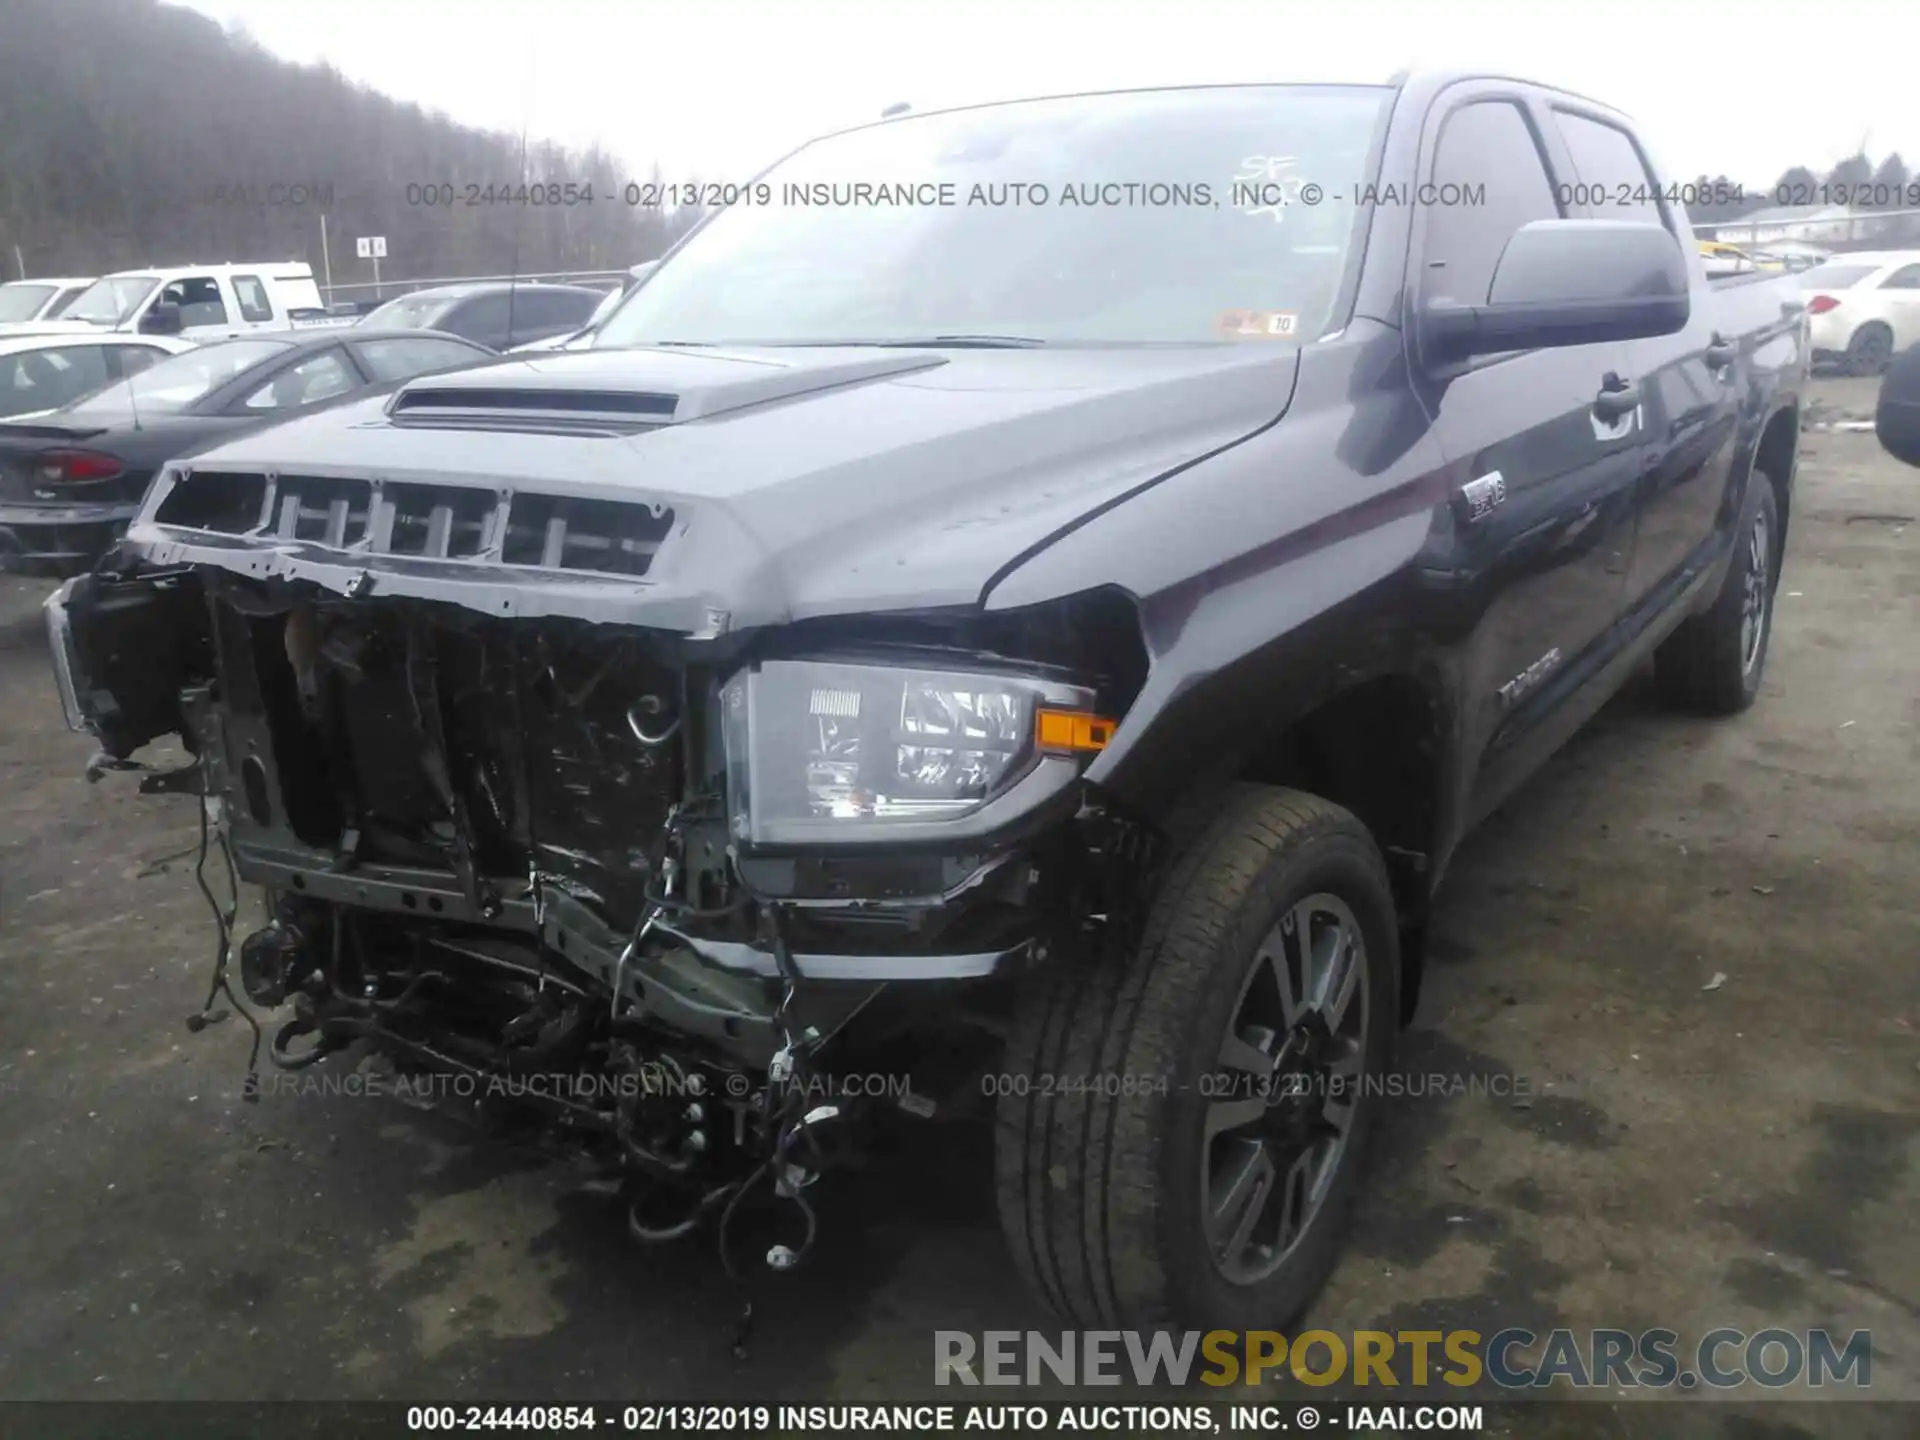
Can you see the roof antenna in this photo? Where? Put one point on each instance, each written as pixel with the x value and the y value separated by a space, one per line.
pixel 899 107
pixel 133 402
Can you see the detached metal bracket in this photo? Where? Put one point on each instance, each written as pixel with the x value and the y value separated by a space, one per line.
pixel 102 763
pixel 182 780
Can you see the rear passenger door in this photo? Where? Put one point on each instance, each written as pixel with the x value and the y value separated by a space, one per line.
pixel 1545 445
pixel 1689 382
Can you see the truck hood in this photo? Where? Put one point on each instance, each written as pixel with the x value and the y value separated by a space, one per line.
pixel 790 482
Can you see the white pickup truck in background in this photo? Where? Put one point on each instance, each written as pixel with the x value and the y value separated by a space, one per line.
pixel 195 302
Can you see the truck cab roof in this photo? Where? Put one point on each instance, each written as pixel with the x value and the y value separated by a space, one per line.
pixel 267 269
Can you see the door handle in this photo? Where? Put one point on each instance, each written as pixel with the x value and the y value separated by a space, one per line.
pixel 1720 352
pixel 1617 397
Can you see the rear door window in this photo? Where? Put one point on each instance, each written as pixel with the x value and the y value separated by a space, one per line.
pixel 255 304
pixel 316 378
pixel 549 312
pixel 483 318
pixel 1835 277
pixel 132 359
pixel 402 359
pixel 1611 179
pixel 33 380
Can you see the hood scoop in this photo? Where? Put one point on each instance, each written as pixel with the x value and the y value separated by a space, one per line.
pixel 628 392
pixel 596 411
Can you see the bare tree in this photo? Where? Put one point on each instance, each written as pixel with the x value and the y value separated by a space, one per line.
pixel 134 133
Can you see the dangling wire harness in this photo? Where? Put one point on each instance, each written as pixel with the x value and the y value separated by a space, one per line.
pixel 223 949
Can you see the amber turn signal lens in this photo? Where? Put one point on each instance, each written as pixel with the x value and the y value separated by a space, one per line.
pixel 1072 731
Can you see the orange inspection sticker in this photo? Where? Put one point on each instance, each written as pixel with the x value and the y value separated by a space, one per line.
pixel 1258 324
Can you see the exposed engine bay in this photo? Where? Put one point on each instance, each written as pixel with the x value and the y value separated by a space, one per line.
pixel 507 851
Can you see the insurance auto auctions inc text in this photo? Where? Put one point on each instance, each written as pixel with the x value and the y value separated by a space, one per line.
pixel 1513 1359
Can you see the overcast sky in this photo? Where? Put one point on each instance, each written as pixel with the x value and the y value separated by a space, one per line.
pixel 717 88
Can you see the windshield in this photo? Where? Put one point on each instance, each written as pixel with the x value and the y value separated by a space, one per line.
pixel 1154 217
pixel 174 384
pixel 1835 277
pixel 409 312
pixel 22 302
pixel 109 301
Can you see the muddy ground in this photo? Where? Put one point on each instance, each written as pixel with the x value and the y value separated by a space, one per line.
pixel 1685 1153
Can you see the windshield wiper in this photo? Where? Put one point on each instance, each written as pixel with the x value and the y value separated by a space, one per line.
pixel 931 342
pixel 951 342
pixel 927 342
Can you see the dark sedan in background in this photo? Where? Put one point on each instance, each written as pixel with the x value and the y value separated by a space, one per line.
pixel 72 478
pixel 498 314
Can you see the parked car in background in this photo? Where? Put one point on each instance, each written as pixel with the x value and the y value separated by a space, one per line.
pixel 70 481
pixel 499 314
pixel 1724 259
pixel 1864 307
pixel 583 337
pixel 44 372
pixel 200 302
pixel 24 301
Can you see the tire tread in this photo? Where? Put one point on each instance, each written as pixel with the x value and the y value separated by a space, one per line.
pixel 1076 1168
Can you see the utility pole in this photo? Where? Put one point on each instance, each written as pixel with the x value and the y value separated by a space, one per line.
pixel 326 259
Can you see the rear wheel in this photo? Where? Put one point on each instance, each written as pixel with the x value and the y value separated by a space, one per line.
pixel 1188 1125
pixel 1869 350
pixel 1712 664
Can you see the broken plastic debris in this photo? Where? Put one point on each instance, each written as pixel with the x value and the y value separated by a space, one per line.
pixel 1719 979
pixel 1763 889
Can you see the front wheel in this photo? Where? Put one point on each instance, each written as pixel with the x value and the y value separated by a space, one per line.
pixel 1185 1128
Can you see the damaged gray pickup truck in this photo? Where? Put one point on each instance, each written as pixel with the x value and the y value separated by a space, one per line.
pixel 1024 626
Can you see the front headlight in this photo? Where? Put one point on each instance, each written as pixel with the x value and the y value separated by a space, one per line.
pixel 835 751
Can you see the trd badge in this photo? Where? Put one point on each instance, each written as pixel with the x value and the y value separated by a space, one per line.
pixel 1483 494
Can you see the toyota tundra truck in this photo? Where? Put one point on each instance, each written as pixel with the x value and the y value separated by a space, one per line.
pixel 1038 629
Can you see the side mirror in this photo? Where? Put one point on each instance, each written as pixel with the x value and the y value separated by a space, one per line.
pixel 162 319
pixel 1568 282
pixel 1897 417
